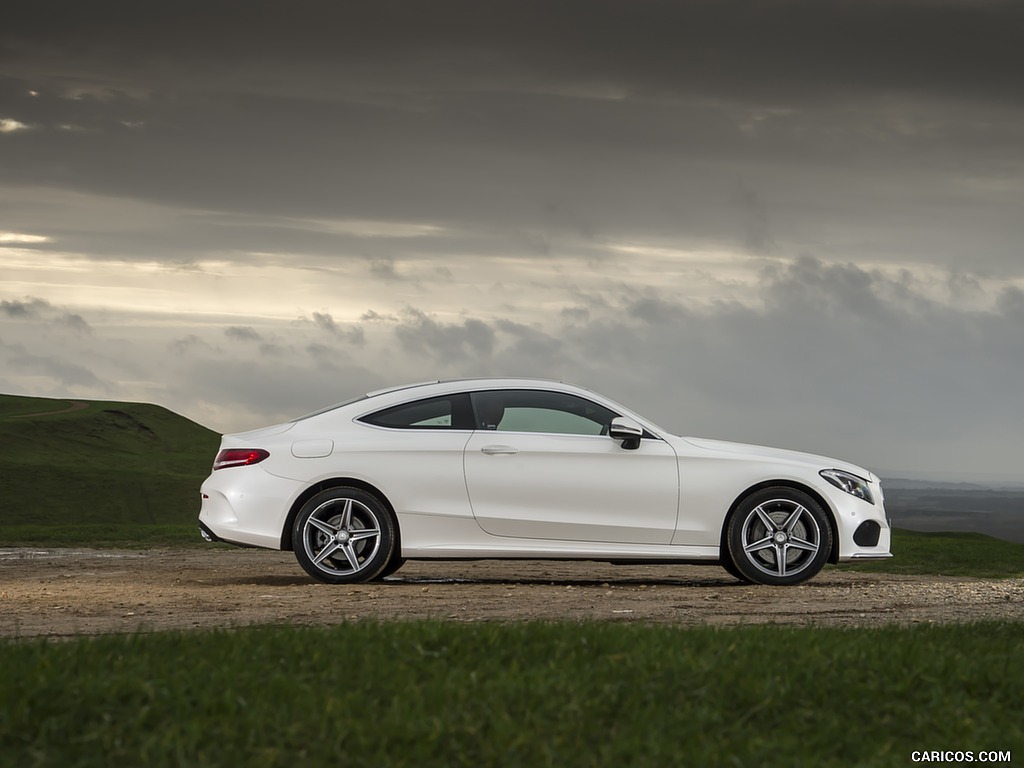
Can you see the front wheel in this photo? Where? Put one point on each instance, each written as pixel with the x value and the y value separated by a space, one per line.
pixel 779 536
pixel 343 536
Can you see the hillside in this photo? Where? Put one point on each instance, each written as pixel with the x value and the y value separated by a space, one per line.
pixel 93 462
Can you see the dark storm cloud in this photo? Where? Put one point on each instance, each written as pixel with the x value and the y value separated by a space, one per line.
pixel 761 49
pixel 534 124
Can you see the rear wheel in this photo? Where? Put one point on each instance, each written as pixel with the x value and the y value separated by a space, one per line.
pixel 779 536
pixel 343 535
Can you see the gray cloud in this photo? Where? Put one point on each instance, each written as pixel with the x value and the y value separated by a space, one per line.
pixel 691 121
pixel 738 47
pixel 444 342
pixel 63 373
pixel 75 322
pixel 353 334
pixel 38 310
pixel 187 343
pixel 242 333
pixel 24 309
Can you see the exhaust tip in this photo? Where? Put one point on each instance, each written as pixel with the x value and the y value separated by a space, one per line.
pixel 207 534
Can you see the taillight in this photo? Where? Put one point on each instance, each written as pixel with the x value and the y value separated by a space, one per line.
pixel 239 457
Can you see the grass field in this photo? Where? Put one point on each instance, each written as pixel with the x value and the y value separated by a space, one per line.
pixel 949 554
pixel 109 463
pixel 518 695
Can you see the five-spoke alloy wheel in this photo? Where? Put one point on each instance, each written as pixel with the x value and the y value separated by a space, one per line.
pixel 343 535
pixel 779 536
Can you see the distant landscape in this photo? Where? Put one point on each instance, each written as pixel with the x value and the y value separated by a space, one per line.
pixel 918 505
pixel 99 463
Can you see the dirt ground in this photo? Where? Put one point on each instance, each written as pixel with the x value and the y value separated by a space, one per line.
pixel 60 593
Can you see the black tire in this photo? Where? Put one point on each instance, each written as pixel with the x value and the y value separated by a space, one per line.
pixel 732 570
pixel 396 562
pixel 779 536
pixel 344 536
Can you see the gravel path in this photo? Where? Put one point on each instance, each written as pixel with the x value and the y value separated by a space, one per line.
pixel 63 592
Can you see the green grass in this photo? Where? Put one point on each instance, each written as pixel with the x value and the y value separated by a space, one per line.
pixel 100 535
pixel 425 694
pixel 949 554
pixel 133 464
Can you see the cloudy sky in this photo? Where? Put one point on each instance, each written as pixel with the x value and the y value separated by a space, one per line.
pixel 796 223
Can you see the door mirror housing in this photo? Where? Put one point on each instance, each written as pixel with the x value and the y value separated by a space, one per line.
pixel 626 430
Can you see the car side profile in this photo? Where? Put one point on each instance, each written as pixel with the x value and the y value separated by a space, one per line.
pixel 530 469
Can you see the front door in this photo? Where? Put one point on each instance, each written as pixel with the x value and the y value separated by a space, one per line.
pixel 541 466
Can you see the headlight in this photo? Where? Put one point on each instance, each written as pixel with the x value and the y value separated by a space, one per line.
pixel 853 485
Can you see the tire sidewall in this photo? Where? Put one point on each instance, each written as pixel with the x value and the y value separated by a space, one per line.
pixel 376 564
pixel 734 536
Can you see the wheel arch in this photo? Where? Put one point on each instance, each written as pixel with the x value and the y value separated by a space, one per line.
pixel 326 485
pixel 833 555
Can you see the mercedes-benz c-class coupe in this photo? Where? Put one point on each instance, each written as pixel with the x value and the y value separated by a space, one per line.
pixel 526 468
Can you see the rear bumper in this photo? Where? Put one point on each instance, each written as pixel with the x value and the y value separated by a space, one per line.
pixel 246 506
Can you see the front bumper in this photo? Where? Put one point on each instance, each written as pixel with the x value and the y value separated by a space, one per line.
pixel 864 529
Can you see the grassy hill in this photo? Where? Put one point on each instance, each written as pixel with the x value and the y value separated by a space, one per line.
pixel 82 463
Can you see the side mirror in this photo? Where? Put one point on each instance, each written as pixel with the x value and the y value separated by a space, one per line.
pixel 626 430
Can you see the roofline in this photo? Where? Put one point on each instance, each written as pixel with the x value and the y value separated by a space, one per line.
pixel 468 379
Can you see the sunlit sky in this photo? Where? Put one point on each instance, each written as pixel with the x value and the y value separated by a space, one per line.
pixel 794 223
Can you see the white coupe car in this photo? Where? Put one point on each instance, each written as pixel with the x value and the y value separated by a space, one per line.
pixel 525 468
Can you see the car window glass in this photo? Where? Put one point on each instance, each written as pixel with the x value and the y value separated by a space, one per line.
pixel 538 411
pixel 435 413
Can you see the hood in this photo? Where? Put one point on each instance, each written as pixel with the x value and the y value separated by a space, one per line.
pixel 780 455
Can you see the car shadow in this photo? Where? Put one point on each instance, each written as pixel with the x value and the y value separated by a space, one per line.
pixel 298 580
pixel 725 581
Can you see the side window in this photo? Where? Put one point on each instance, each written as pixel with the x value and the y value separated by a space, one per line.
pixel 449 412
pixel 524 410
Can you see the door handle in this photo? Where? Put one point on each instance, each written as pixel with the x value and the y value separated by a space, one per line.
pixel 494 450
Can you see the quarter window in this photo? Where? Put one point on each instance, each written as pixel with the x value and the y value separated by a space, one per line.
pixel 538 411
pixel 450 412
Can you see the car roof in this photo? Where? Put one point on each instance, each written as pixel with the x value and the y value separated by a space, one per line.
pixel 482 380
